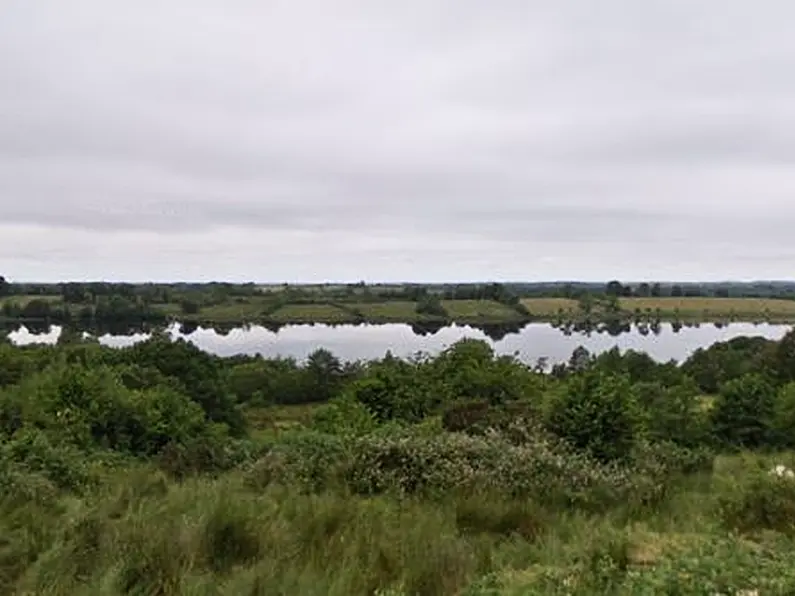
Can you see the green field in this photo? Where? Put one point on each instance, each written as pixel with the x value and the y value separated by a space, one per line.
pixel 310 313
pixel 711 307
pixel 479 309
pixel 25 299
pixel 396 311
pixel 258 307
pixel 550 307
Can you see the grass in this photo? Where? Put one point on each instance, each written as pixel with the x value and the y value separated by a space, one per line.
pixel 479 309
pixel 25 299
pixel 550 307
pixel 269 421
pixel 253 309
pixel 246 308
pixel 140 533
pixel 711 307
pixel 311 313
pixel 394 311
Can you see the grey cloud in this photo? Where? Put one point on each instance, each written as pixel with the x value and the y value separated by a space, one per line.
pixel 442 137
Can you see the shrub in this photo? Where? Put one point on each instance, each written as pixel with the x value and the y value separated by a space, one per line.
pixel 784 416
pixel 395 390
pixel 306 460
pixel 344 416
pixel 469 370
pixel 598 413
pixel 743 412
pixel 766 502
pixel 63 465
pixel 464 415
pixel 435 466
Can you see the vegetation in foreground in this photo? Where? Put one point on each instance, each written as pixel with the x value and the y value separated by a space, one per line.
pixel 160 469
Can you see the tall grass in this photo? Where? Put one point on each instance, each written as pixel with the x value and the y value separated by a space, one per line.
pixel 137 532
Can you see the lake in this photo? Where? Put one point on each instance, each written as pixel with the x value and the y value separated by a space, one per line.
pixel 354 342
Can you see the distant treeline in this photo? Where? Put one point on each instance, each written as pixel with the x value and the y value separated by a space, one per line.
pixel 506 292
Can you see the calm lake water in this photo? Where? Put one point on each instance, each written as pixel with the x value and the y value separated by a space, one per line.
pixel 354 342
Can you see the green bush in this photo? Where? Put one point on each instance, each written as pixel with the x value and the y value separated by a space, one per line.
pixel 765 502
pixel 743 412
pixel 395 390
pixel 784 416
pixel 306 460
pixel 344 416
pixel 434 466
pixel 464 415
pixel 598 413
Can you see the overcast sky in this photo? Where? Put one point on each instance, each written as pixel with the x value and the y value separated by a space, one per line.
pixel 312 140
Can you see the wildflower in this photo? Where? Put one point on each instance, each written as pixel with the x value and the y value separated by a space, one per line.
pixel 782 472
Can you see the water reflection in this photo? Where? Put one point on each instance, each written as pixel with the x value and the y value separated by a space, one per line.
pixel 555 343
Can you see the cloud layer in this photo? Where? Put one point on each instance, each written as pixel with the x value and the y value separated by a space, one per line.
pixel 426 139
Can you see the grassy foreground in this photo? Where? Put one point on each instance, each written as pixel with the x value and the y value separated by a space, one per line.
pixel 145 534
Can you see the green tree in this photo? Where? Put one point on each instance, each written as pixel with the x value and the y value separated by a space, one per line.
pixel 431 305
pixel 393 390
pixel 785 357
pixel 599 413
pixel 614 288
pixel 470 370
pixel 672 413
pixel 324 372
pixel 744 410
pixel 189 307
pixel 784 416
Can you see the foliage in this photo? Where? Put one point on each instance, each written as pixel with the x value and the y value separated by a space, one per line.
pixel 766 501
pixel 598 413
pixel 161 469
pixel 344 416
pixel 393 389
pixel 744 410
pixel 784 416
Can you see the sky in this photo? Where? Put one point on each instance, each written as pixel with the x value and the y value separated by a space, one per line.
pixel 420 140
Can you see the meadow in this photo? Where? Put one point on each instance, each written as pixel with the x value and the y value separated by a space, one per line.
pixel 707 308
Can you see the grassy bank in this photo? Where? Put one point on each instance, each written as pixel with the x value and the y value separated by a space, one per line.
pixel 708 309
pixel 272 308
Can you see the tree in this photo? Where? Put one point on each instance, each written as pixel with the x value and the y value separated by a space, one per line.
pixel 677 291
pixel 189 307
pixel 785 357
pixel 673 413
pixel 744 411
pixel 643 290
pixel 5 287
pixel 784 416
pixel 656 290
pixel 580 359
pixel 73 293
pixel 598 413
pixel 430 305
pixel 393 390
pixel 614 288
pixel 325 374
